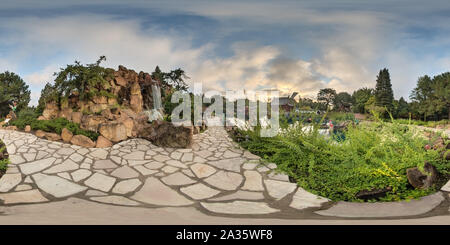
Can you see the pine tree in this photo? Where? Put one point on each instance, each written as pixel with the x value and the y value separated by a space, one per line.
pixel 12 89
pixel 384 96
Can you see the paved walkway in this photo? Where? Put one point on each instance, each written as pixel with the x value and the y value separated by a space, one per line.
pixel 215 177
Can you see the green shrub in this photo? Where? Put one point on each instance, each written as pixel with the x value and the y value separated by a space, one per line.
pixel 431 124
pixel 3 162
pixel 4 165
pixel 53 126
pixel 373 156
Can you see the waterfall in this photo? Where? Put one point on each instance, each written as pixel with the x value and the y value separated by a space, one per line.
pixel 156 112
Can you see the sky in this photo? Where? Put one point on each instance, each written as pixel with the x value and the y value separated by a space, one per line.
pixel 287 45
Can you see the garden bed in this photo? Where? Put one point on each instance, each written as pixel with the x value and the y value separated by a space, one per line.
pixel 373 160
pixel 4 158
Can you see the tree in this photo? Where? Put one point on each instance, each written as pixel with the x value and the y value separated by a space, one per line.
pixel 308 104
pixel 175 78
pixel 12 88
pixel 371 107
pixel 384 96
pixel 402 108
pixel 48 93
pixel 158 74
pixel 88 80
pixel 360 98
pixel 441 95
pixel 326 96
pixel 432 96
pixel 343 101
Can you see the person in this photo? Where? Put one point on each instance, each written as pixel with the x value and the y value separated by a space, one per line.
pixel 13 106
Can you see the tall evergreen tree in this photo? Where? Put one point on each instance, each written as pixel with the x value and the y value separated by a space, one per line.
pixel 384 96
pixel 12 88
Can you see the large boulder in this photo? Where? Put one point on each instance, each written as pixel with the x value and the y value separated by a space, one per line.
pixel 76 116
pixel 113 131
pixel 136 102
pixel 82 140
pixel 66 113
pixel 92 122
pixel 51 111
pixel 163 133
pixel 97 108
pixel 66 135
pixel 107 114
pixel 100 100
pixel 421 180
pixel 52 136
pixel 129 125
pixel 40 134
pixel 14 128
pixel 120 81
pixel 103 142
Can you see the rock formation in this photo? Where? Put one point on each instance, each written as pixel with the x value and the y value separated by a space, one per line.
pixel 121 112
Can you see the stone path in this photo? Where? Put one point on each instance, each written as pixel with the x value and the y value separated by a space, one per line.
pixel 215 176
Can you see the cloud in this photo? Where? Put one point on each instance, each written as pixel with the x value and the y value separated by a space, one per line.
pixel 349 45
pixel 86 37
pixel 251 66
pixel 6 65
pixel 42 77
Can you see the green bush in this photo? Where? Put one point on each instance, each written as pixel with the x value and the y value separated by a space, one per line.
pixel 53 126
pixel 4 165
pixel 24 116
pixel 3 162
pixel 431 124
pixel 373 156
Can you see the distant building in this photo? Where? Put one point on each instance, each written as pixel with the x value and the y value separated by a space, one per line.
pixel 287 103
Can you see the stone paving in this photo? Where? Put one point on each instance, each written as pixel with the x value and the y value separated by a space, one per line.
pixel 215 176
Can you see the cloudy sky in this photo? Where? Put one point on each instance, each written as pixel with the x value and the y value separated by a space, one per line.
pixel 289 45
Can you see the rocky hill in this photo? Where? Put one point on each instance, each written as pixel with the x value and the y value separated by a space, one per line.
pixel 121 110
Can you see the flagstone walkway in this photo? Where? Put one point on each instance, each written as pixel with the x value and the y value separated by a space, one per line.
pixel 215 176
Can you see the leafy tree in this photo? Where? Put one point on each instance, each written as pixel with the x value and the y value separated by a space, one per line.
pixel 432 96
pixel 48 93
pixel 401 108
pixel 89 80
pixel 343 101
pixel 12 88
pixel 441 95
pixel 175 78
pixel 308 104
pixel 384 96
pixel 371 107
pixel 360 98
pixel 326 96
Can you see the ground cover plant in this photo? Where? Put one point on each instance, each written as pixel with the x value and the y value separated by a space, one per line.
pixel 29 117
pixel 373 156
pixel 431 124
pixel 4 158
